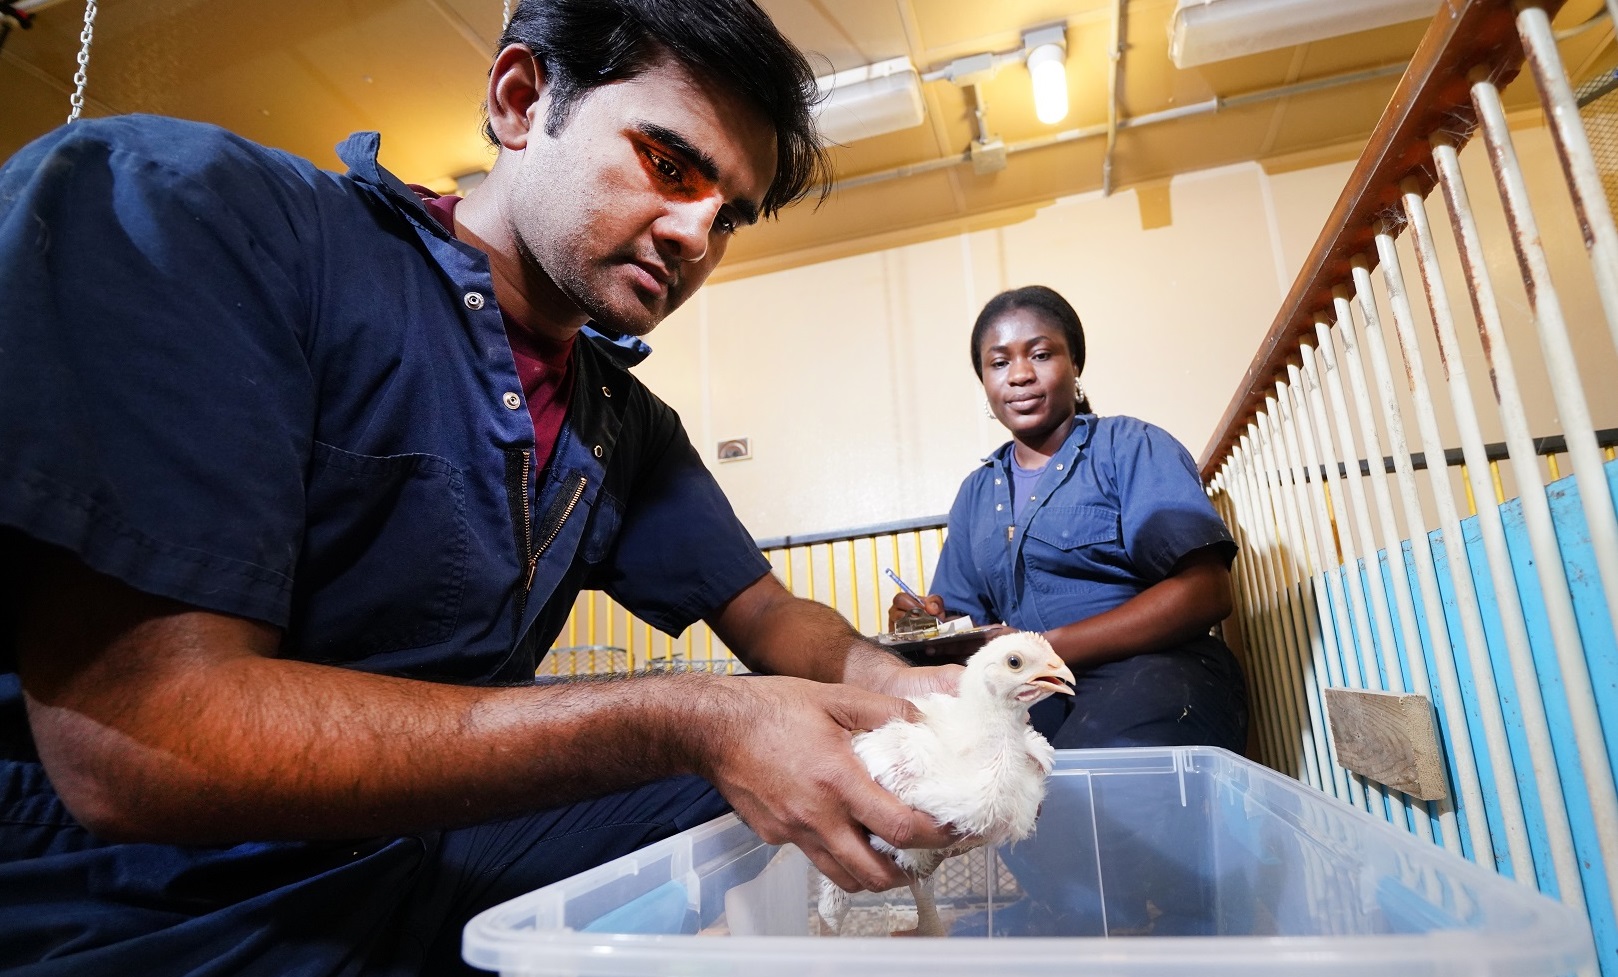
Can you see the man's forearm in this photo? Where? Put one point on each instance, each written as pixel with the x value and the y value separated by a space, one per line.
pixel 256 748
pixel 162 722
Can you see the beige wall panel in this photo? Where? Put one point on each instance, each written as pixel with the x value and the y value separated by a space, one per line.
pixel 1301 201
pixel 1171 315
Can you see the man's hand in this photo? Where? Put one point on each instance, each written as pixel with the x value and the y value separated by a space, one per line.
pixel 782 758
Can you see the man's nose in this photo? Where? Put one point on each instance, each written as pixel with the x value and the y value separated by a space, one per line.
pixel 683 230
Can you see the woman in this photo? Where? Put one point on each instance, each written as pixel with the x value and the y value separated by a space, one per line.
pixel 1095 531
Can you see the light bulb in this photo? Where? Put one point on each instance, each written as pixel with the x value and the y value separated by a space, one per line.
pixel 1047 68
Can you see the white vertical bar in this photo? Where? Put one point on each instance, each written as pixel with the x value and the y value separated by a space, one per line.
pixel 1392 543
pixel 1322 632
pixel 1265 623
pixel 1536 514
pixel 1465 762
pixel 1255 636
pixel 1368 676
pixel 1279 576
pixel 1299 666
pixel 1328 584
pixel 1560 360
pixel 1595 495
pixel 1280 627
pixel 1460 564
pixel 1228 487
pixel 1394 676
pixel 1578 163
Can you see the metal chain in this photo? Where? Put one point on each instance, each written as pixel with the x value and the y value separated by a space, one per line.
pixel 79 76
pixel 505 15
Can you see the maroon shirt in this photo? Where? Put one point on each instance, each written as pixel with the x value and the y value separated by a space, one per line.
pixel 544 367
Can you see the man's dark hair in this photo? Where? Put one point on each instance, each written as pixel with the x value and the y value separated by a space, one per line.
pixel 1048 304
pixel 583 44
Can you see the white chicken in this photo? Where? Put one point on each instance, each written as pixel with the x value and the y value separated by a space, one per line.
pixel 971 762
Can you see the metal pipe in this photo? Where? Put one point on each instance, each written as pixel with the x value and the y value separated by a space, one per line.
pixel 1115 55
pixel 1135 122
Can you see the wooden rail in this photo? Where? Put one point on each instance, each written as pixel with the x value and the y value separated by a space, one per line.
pixel 1432 95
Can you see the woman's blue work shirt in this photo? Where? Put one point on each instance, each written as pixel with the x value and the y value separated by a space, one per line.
pixel 1115 510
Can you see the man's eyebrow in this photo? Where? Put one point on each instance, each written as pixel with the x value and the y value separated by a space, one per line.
pixel 701 161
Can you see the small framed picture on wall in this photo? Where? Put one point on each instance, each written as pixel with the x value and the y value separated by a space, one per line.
pixel 735 449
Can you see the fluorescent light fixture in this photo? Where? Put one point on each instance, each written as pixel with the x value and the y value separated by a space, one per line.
pixel 1047 66
pixel 1202 31
pixel 869 101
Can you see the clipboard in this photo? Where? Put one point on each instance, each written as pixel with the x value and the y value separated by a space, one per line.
pixel 938 649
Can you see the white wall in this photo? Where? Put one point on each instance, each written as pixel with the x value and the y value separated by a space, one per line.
pixel 852 376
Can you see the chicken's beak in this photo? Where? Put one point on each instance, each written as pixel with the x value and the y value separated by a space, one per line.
pixel 1053 677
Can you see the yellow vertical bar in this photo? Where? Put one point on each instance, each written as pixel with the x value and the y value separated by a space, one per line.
pixel 854 584
pixel 1554 467
pixel 876 587
pixel 809 558
pixel 787 553
pixel 1499 486
pixel 831 573
pixel 1471 502
pixel 921 562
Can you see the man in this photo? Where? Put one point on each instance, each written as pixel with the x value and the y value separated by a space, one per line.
pixel 281 544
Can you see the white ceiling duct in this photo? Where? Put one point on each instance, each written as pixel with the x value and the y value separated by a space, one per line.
pixel 868 101
pixel 1212 30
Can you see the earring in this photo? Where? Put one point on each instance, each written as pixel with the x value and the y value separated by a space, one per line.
pixel 1078 391
pixel 987 411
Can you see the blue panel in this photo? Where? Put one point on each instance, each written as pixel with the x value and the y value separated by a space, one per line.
pixel 1486 772
pixel 1595 629
pixel 1595 623
pixel 1506 686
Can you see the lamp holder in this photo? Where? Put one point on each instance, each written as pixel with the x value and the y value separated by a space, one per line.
pixel 1035 39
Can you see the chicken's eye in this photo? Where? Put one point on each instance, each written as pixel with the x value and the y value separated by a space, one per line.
pixel 1014 662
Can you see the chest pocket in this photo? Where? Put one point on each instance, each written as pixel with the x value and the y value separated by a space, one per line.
pixel 1068 546
pixel 602 532
pixel 385 554
pixel 1071 526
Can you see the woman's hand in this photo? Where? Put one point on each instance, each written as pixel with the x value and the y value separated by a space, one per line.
pixel 904 604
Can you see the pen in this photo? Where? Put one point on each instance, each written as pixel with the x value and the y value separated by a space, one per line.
pixel 903 586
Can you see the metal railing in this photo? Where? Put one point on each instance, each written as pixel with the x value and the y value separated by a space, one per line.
pixel 1365 576
pixel 843 569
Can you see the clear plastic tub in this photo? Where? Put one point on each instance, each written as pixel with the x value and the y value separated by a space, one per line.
pixel 1168 861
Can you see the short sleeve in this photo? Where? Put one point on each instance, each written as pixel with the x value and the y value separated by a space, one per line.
pixel 1164 512
pixel 155 404
pixel 957 578
pixel 681 553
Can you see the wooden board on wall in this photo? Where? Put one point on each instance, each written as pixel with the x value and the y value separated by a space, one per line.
pixel 1388 737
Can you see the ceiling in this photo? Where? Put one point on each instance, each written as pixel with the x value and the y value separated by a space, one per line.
pixel 302 74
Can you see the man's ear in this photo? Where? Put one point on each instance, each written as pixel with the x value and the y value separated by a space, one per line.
pixel 516 90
